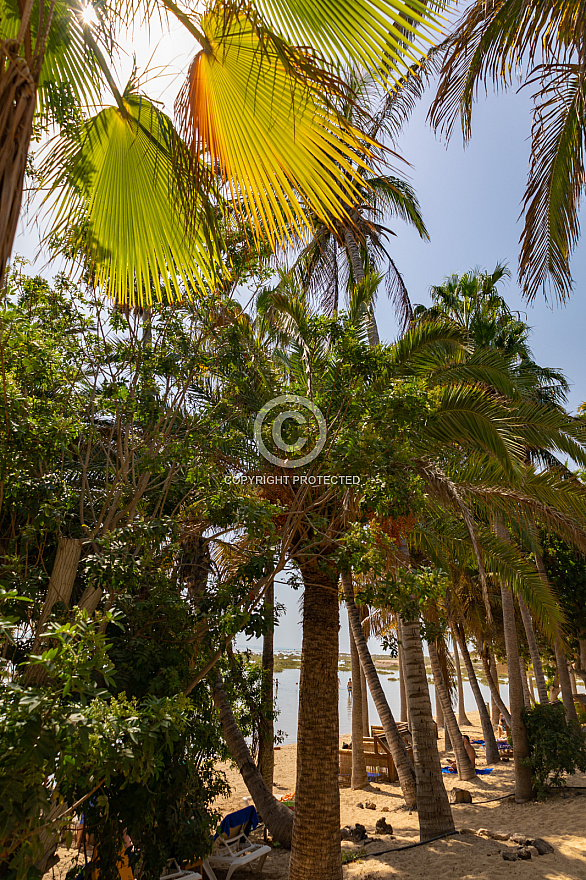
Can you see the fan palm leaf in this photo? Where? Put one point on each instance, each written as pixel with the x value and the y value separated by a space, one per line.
pixel 113 194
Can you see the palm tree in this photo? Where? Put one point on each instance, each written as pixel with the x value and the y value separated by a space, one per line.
pixel 463 762
pixel 394 739
pixel 344 251
pixel 291 152
pixel 543 43
pixel 359 774
pixel 433 809
pixel 462 717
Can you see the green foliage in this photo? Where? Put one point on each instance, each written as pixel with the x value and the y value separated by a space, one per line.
pixel 557 746
pixel 62 741
pixel 566 571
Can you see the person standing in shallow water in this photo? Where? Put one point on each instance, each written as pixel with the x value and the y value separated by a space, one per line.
pixel 349 687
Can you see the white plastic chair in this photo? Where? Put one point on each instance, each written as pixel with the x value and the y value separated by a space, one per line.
pixel 174 872
pixel 234 852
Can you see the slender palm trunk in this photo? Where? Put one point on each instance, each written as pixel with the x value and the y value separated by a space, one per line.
pixel 525 683
pixel 573 682
pixel 534 652
pixel 564 678
pixel 394 739
pixel 18 95
pixel 402 691
pixel 433 808
pixel 523 781
pixel 359 777
pixel 364 697
pixel 491 748
pixel 439 712
pixel 277 817
pixel 462 717
pixel 494 706
pixel 267 730
pixel 359 274
pixel 316 850
pixel 581 662
pixel 463 762
pixel 494 689
pixel 560 656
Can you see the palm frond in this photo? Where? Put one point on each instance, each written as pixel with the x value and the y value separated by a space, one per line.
pixel 556 182
pixel 285 154
pixel 113 206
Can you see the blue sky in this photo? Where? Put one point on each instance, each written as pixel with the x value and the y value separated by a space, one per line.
pixel 471 202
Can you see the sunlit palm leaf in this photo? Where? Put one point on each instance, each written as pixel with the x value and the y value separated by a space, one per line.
pixel 371 33
pixel 282 152
pixel 115 206
pixel 69 67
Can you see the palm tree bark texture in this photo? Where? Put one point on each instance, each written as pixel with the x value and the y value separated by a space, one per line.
pixel 360 275
pixel 462 717
pixel 433 808
pixel 523 782
pixel 266 739
pixel 395 741
pixel 491 748
pixel 316 850
pixel 534 652
pixel 463 763
pixel 277 817
pixel 359 775
pixel 560 656
pixel 494 688
pixel 18 92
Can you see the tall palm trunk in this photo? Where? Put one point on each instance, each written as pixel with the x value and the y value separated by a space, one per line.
pixel 462 717
pixel 494 706
pixel 439 712
pixel 560 656
pixel 525 684
pixel 494 688
pixel 491 748
pixel 523 781
pixel 402 691
pixel 360 275
pixel 534 652
pixel 565 683
pixel 18 95
pixel 316 850
pixel 581 662
pixel 277 817
pixel 394 739
pixel 359 776
pixel 463 762
pixel 364 698
pixel 267 728
pixel 433 808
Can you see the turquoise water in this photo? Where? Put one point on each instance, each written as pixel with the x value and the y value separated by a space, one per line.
pixel 287 700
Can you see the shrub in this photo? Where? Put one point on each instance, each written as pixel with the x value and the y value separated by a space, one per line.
pixel 557 746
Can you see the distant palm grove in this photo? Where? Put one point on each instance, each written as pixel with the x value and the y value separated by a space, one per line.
pixel 225 263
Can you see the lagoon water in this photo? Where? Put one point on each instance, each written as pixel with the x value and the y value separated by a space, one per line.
pixel 287 701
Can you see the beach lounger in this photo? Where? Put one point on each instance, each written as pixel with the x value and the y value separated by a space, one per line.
pixel 174 872
pixel 232 847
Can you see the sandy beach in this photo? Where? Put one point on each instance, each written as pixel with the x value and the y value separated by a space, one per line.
pixel 561 820
pixel 469 855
